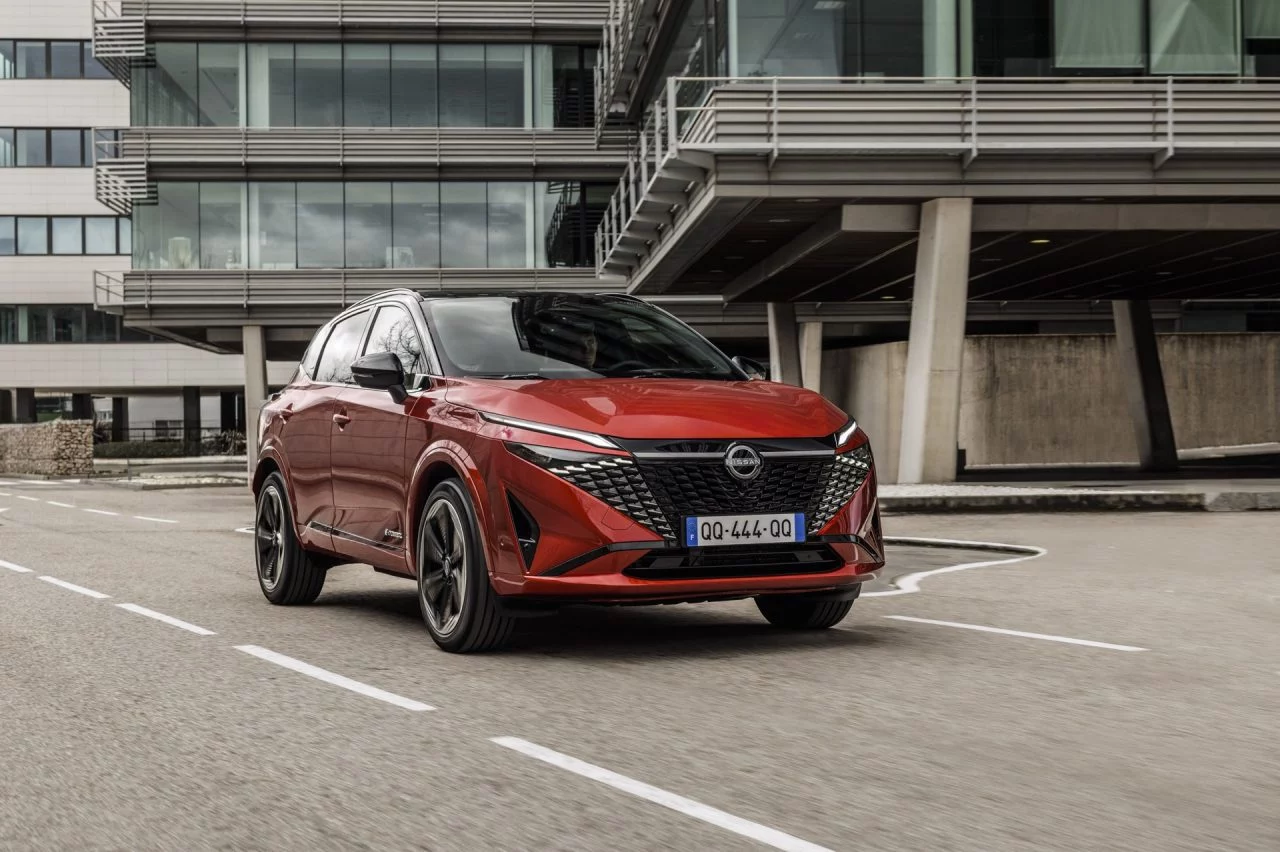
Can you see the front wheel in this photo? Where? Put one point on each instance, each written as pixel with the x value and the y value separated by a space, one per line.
pixel 287 573
pixel 800 612
pixel 458 603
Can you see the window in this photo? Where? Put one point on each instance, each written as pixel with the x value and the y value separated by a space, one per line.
pixel 507 80
pixel 320 239
pixel 37 60
pixel 7 158
pixel 340 350
pixel 273 226
pixel 64 60
pixel 33 60
pixel 33 235
pixel 222 225
pixel 8 235
pixel 172 86
pixel 464 225
pixel 366 85
pixel 66 148
pixel 62 324
pixel 8 67
pixel 462 102
pixel 270 85
pixel 32 147
pixel 220 69
pixel 100 235
pixel 68 235
pixel 413 85
pixel 368 225
pixel 93 69
pixel 393 331
pixel 415 216
pixel 1194 37
pixel 318 82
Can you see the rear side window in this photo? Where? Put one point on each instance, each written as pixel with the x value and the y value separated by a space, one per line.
pixel 340 350
pixel 393 331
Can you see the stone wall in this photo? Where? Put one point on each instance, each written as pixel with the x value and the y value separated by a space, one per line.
pixel 1059 399
pixel 55 448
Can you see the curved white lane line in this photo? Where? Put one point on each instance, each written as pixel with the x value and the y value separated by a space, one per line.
pixel 910 583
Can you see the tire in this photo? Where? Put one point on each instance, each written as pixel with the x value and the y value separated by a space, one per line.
pixel 288 574
pixel 459 606
pixel 799 612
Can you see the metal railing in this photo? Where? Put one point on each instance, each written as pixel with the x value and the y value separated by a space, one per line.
pixel 630 26
pixel 697 118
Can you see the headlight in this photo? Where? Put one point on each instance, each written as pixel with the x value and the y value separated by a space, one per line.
pixel 590 438
pixel 557 460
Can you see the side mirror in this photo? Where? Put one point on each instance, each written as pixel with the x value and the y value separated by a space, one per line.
pixel 754 369
pixel 381 371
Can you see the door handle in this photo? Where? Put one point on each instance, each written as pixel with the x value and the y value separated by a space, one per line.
pixel 341 419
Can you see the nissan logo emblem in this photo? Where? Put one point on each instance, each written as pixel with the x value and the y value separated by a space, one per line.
pixel 742 462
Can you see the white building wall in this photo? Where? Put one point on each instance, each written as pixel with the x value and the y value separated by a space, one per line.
pixel 47 191
pixel 125 367
pixel 63 103
pixel 49 280
pixel 48 18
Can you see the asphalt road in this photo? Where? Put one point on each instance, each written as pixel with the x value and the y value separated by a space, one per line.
pixel 1133 706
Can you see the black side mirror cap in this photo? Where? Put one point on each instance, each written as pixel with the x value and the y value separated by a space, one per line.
pixel 753 369
pixel 381 371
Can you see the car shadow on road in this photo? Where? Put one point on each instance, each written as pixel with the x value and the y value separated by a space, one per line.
pixel 638 634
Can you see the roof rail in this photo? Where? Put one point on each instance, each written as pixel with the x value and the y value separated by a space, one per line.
pixel 397 291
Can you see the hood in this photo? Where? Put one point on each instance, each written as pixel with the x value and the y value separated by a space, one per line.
pixel 657 408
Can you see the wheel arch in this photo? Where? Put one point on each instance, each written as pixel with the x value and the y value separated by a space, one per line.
pixel 437 464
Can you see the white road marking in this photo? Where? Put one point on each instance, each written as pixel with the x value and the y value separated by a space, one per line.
pixel 18 568
pixel 157 520
pixel 335 679
pixel 697 810
pixel 4 509
pixel 247 530
pixel 7 482
pixel 29 499
pixel 5 494
pixel 61 505
pixel 73 587
pixel 167 619
pixel 1088 643
pixel 910 583
pixel 103 512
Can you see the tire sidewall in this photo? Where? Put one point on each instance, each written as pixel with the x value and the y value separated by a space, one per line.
pixel 477 566
pixel 288 545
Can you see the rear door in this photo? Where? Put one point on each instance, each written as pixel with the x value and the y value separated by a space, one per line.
pixel 372 456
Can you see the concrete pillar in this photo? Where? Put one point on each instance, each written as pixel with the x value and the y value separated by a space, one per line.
pixel 784 344
pixel 119 418
pixel 228 406
pixel 191 420
pixel 24 409
pixel 255 387
pixel 935 352
pixel 6 406
pixel 81 406
pixel 811 355
pixel 1144 385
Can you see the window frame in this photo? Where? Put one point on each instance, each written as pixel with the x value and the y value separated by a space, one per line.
pixel 412 379
pixel 367 312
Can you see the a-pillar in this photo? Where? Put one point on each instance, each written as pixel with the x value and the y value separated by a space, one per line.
pixel 935 352
pixel 784 344
pixel 24 409
pixel 119 418
pixel 191 419
pixel 1144 385
pixel 228 404
pixel 811 355
pixel 6 406
pixel 81 406
pixel 255 387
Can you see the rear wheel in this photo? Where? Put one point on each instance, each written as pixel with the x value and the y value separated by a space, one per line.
pixel 287 573
pixel 458 603
pixel 800 612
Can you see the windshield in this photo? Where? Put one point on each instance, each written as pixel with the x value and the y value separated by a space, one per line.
pixel 559 336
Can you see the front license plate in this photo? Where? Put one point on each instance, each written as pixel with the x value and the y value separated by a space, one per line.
pixel 712 531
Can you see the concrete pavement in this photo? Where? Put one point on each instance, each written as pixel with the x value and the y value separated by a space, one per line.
pixel 127 732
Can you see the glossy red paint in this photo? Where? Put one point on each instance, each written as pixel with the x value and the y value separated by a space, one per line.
pixel 359 465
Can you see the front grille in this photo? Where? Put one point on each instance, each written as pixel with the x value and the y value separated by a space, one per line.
pixel 746 561
pixel 659 494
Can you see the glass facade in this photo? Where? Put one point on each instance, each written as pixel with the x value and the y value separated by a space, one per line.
pixel 39 60
pixel 367 225
pixel 63 324
pixel 60 147
pixel 34 235
pixel 358 84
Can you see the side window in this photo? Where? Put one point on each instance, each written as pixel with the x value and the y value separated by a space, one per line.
pixel 394 331
pixel 340 350
pixel 311 358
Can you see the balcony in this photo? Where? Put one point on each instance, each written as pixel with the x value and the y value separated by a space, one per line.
pixel 292 297
pixel 121 28
pixel 839 137
pixel 627 46
pixel 127 167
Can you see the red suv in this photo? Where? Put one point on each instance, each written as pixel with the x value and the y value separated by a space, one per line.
pixel 521 451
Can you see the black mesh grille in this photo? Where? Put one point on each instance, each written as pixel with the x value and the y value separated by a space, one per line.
pixel 659 494
pixel 748 561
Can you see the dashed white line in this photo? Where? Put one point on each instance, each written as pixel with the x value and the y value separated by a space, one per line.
pixel 102 512
pixel 910 583
pixel 335 679
pixel 4 509
pixel 28 499
pixel 689 807
pixel 16 568
pixel 60 505
pixel 167 619
pixel 73 587
pixel 5 494
pixel 1088 643
pixel 246 530
pixel 156 520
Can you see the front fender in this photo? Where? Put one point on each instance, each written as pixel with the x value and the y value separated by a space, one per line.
pixel 426 473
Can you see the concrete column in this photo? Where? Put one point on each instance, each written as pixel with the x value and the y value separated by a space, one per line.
pixel 81 406
pixel 935 352
pixel 191 419
pixel 6 406
pixel 227 404
pixel 784 344
pixel 1144 385
pixel 811 355
pixel 119 418
pixel 255 387
pixel 24 405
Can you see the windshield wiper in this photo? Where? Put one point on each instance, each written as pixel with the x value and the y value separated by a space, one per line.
pixel 667 372
pixel 509 376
